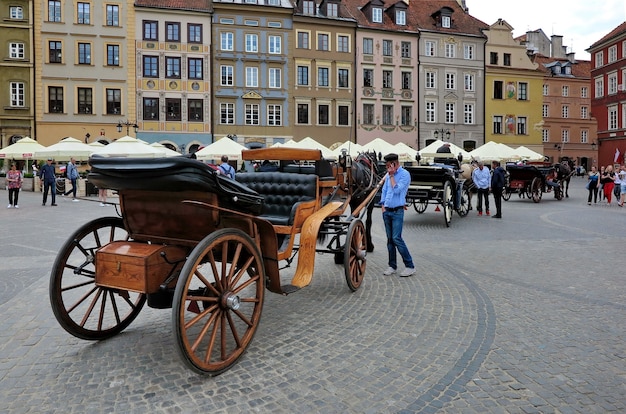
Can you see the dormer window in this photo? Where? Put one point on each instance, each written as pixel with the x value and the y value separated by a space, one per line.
pixel 377 15
pixel 445 21
pixel 568 70
pixel 332 10
pixel 400 17
pixel 308 7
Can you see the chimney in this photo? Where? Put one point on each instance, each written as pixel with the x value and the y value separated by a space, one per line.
pixel 556 42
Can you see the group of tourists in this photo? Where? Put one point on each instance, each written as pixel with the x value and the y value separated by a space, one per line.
pixel 607 183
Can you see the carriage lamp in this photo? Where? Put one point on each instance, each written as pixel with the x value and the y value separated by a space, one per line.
pixel 127 124
pixel 443 132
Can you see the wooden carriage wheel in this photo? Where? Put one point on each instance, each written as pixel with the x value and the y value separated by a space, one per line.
pixel 506 194
pixel 420 205
pixel 355 253
pixel 83 309
pixel 463 207
pixel 218 301
pixel 447 203
pixel 535 189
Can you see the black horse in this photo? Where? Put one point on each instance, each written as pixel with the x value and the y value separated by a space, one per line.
pixel 565 170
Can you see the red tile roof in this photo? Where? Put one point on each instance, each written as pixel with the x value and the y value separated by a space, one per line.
pixel 580 68
pixel 621 29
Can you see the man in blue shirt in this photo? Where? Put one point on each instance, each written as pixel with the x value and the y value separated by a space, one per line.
pixel 393 201
pixel 226 169
pixel 482 180
pixel 72 175
pixel 48 179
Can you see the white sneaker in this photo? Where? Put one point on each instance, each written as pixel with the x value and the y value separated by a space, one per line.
pixel 407 272
pixel 390 271
pixel 9 206
pixel 16 206
pixel 102 205
pixel 75 200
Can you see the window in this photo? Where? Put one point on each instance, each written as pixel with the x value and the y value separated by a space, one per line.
pixel 599 87
pixel 252 114
pixel 343 112
pixel 468 52
pixel 497 124
pixel 227 113
pixel 387 47
pixel 450 50
pixel 85 100
pixel 521 125
pixel 113 15
pixel 565 135
pixel 308 7
pixel 83 13
pixel 599 59
pixel 150 30
pixel 113 55
pixel 584 91
pixel 303 75
pixel 16 12
pixel 114 101
pixel 84 53
pixel 450 80
pixel 55 100
pixel 507 59
pixel 343 44
pixel 226 77
pixel 322 41
pixel 226 41
pixel 431 111
pixel 545 135
pixel 303 113
pixel 565 111
pixel 584 112
pixel 405 50
pixel 368 114
pixel 150 66
pixel 16 50
pixel 172 109
pixel 522 91
pixel 406 80
pixel 377 15
pixel 400 17
pixel 274 115
pixel 431 80
pixel 323 77
pixel 172 32
pixel 368 77
pixel 565 90
pixel 445 21
pixel 150 109
pixel 252 43
pixel 343 80
pixel 17 94
pixel 54 11
pixel 498 90
pixel 387 114
pixel 274 78
pixel 612 114
pixel 194 68
pixel 275 45
pixel 612 83
pixel 387 79
pixel 172 67
pixel 450 113
pixel 368 46
pixel 252 77
pixel 612 54
pixel 303 40
pixel 468 82
pixel 545 90
pixel 332 9
pixel 584 136
pixel 194 33
pixel 406 115
pixel 493 58
pixel 545 111
pixel 468 114
pixel 194 110
pixel 429 48
pixel 323 116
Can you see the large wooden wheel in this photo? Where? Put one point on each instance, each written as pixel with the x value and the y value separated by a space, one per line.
pixel 218 301
pixel 420 205
pixel 447 202
pixel 506 194
pixel 83 309
pixel 463 205
pixel 355 252
pixel 535 189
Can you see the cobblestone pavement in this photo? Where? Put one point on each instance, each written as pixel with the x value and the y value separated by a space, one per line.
pixel 520 315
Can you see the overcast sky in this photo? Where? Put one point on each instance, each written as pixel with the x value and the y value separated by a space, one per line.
pixel 580 22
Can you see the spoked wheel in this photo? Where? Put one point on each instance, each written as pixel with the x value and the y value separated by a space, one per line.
pixel 558 193
pixel 535 189
pixel 447 203
pixel 506 194
pixel 355 253
pixel 218 301
pixel 463 208
pixel 83 309
pixel 420 205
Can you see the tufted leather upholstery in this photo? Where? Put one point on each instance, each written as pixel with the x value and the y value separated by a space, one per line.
pixel 282 192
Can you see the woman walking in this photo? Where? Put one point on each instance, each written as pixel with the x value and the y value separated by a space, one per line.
pixel 592 185
pixel 608 182
pixel 14 180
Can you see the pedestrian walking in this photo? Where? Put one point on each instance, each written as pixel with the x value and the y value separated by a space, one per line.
pixel 592 185
pixel 72 175
pixel 608 182
pixel 497 186
pixel 48 179
pixel 14 182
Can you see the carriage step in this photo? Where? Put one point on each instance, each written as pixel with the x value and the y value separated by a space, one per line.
pixel 287 289
pixel 161 299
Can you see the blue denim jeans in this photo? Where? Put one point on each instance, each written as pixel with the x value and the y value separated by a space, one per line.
pixel 393 227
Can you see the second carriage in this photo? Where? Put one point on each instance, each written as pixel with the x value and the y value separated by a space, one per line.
pixel 529 180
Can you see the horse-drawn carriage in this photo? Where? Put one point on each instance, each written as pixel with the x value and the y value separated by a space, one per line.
pixel 442 184
pixel 529 180
pixel 205 246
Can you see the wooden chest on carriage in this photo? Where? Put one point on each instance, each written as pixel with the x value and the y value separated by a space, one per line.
pixel 139 267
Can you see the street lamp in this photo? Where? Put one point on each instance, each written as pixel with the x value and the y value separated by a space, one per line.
pixel 593 146
pixel 127 124
pixel 443 132
pixel 232 136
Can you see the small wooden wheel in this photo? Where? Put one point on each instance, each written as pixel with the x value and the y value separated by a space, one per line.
pixel 535 189
pixel 355 252
pixel 420 205
pixel 83 309
pixel 218 301
pixel 447 202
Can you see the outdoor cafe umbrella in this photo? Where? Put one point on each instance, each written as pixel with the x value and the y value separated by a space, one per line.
pixel 65 149
pixel 223 146
pixel 24 149
pixel 310 143
pixel 494 151
pixel 166 151
pixel 128 147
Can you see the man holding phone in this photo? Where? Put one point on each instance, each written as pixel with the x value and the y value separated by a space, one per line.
pixel 393 202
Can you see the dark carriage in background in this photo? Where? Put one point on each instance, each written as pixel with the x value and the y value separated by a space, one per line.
pixel 528 180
